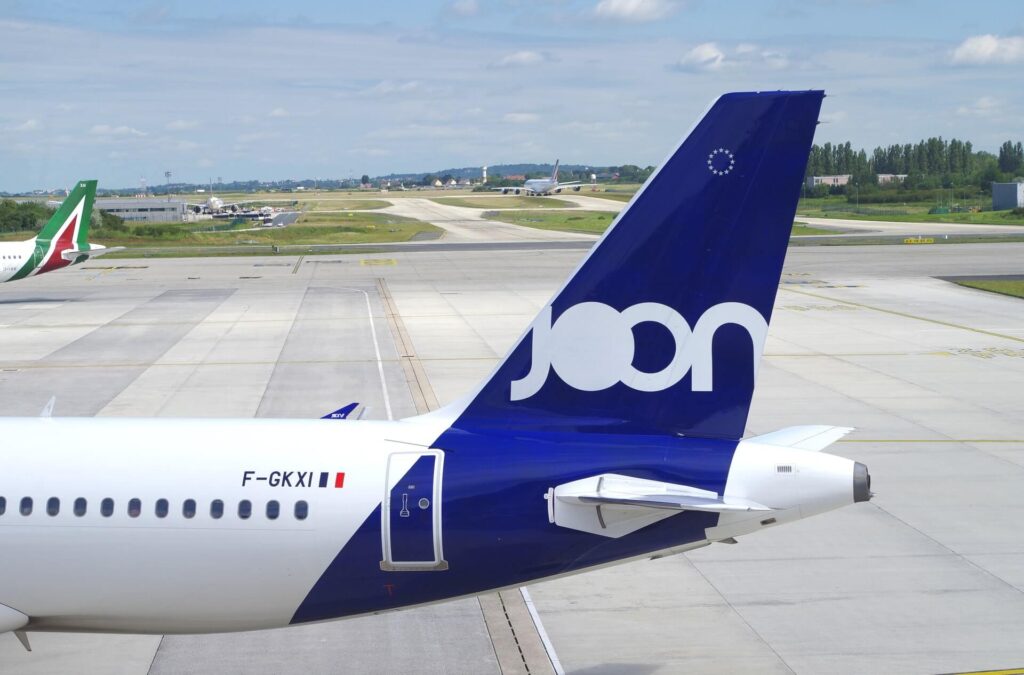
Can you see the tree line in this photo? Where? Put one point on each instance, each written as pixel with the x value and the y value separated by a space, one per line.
pixel 928 164
pixel 29 217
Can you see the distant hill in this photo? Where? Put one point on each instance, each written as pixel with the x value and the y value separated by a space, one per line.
pixel 475 172
pixel 566 172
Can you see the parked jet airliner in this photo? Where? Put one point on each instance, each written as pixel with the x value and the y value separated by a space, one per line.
pixel 610 432
pixel 63 241
pixel 542 186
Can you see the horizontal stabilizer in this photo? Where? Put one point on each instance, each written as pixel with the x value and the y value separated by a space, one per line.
pixel 674 502
pixel 613 505
pixel 813 438
pixel 74 254
pixel 342 413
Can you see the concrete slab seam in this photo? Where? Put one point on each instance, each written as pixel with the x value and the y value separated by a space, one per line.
pixel 544 637
pixel 906 315
pixel 739 614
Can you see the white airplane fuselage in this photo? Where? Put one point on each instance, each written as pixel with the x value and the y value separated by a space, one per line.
pixel 246 524
pixel 13 256
pixel 137 571
pixel 540 186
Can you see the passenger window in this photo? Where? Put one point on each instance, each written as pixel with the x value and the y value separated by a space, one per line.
pixel 3 505
pixel 188 509
pixel 273 510
pixel 107 507
pixel 80 506
pixel 301 510
pixel 26 506
pixel 134 507
pixel 52 506
pixel 161 508
pixel 244 509
pixel 216 508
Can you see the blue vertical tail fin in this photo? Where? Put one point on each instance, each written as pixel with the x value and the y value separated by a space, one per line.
pixel 660 329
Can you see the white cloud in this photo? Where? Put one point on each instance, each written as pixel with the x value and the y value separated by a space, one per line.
pixel 986 49
pixel 279 112
pixel 181 125
pixel 710 57
pixel 774 60
pixel 256 136
pixel 985 106
pixel 634 10
pixel 705 56
pixel 521 118
pixel 385 87
pixel 464 7
pixel 521 59
pixel 27 125
pixel 108 130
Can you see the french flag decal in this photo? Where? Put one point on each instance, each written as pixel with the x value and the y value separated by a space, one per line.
pixel 339 479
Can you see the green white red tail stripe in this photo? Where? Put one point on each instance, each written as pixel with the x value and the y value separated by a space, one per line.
pixel 67 230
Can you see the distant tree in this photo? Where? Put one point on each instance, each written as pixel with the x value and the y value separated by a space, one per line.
pixel 365 180
pixel 15 217
pixel 447 178
pixel 1011 157
pixel 428 179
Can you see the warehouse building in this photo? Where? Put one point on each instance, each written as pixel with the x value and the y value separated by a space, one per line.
pixel 139 210
pixel 144 210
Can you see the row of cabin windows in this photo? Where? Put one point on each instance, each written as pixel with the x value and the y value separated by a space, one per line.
pixel 161 508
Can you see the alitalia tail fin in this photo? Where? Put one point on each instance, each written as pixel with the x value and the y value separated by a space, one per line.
pixel 554 173
pixel 70 224
pixel 64 240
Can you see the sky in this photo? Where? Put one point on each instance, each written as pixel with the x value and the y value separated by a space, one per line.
pixel 273 90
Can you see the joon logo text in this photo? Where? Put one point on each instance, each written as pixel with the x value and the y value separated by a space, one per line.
pixel 591 347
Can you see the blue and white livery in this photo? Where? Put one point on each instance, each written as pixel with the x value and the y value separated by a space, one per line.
pixel 611 431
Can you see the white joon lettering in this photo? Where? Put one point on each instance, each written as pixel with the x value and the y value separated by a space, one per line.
pixel 591 346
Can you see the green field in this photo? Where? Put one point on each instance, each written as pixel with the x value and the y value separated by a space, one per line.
pixel 910 212
pixel 343 204
pixel 312 228
pixel 1014 287
pixel 591 222
pixel 504 202
pixel 804 230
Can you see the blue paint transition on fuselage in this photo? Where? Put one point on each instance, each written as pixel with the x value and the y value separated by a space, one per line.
pixel 496 530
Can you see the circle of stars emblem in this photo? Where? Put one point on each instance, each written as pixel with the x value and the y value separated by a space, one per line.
pixel 721 162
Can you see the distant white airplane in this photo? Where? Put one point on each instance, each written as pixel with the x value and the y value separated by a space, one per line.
pixel 611 431
pixel 542 186
pixel 63 241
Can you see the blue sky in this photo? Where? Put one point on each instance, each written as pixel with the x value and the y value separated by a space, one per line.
pixel 272 90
